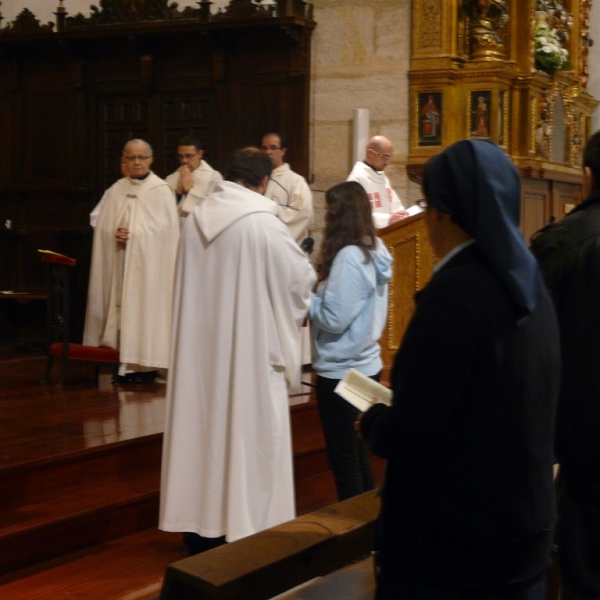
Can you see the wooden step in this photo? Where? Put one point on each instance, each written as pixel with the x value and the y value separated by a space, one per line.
pixel 129 568
pixel 80 466
pixel 61 504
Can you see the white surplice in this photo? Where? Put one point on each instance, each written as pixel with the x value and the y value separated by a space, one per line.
pixel 130 291
pixel 294 200
pixel 384 200
pixel 242 290
pixel 294 208
pixel 205 179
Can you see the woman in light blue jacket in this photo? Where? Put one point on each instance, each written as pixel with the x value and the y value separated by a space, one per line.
pixel 348 313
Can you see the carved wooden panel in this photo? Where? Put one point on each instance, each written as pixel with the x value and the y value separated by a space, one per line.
pixel 9 105
pixel 71 97
pixel 186 114
pixel 264 91
pixel 567 196
pixel 429 30
pixel 49 135
pixel 535 205
pixel 121 118
pixel 409 246
pixel 250 120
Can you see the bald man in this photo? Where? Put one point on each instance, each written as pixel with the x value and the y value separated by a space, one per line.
pixel 385 203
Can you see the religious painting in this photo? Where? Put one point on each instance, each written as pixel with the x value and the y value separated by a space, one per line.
pixel 480 115
pixel 430 119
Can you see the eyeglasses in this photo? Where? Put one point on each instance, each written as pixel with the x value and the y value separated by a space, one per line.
pixel 188 156
pixel 134 158
pixel 384 156
pixel 265 148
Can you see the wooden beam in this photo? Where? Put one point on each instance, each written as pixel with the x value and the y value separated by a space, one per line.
pixel 270 562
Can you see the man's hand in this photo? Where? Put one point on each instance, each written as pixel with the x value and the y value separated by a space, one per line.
pixel 398 216
pixel 186 181
pixel 122 235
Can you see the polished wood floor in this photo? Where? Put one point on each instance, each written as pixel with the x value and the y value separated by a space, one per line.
pixel 79 480
pixel 41 420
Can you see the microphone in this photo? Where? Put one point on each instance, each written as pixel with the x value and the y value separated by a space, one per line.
pixel 307 245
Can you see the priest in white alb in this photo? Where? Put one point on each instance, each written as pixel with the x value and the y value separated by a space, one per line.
pixel 293 198
pixel 288 190
pixel 385 203
pixel 133 262
pixel 194 179
pixel 242 290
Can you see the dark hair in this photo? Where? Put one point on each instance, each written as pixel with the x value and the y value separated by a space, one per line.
pixel 591 157
pixel 282 143
pixel 248 167
pixel 189 140
pixel 348 222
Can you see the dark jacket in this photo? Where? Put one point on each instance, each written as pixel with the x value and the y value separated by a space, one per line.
pixel 569 255
pixel 468 497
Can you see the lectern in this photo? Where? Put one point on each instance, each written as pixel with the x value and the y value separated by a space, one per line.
pixel 408 244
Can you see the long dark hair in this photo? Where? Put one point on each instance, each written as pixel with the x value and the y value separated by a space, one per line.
pixel 348 222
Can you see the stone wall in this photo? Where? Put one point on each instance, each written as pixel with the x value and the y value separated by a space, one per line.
pixel 361 53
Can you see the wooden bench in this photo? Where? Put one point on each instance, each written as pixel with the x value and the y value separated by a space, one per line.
pixel 273 561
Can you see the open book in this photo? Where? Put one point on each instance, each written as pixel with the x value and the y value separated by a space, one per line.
pixel 361 391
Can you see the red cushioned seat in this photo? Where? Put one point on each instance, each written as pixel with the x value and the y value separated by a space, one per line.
pixel 59 273
pixel 90 353
pixel 59 259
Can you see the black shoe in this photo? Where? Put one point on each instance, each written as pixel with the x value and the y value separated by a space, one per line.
pixel 196 544
pixel 137 377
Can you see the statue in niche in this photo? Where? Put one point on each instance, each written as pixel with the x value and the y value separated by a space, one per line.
pixel 559 129
pixel 543 128
pixel 487 18
pixel 576 145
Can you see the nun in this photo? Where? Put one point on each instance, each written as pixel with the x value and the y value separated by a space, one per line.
pixel 468 501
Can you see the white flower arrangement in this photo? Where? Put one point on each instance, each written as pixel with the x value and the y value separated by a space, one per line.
pixel 549 53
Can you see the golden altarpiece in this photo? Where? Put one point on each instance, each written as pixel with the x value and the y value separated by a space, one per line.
pixel 476 72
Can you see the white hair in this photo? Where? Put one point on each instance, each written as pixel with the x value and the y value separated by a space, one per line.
pixel 137 140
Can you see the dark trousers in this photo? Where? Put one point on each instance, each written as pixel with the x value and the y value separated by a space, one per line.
pixel 347 454
pixel 579 530
pixel 196 544
pixel 390 589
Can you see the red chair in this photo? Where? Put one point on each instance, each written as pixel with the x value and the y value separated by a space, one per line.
pixel 58 345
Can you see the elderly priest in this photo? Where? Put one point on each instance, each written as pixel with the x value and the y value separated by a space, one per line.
pixel 133 262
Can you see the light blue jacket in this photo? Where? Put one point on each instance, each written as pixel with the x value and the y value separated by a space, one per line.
pixel 349 313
